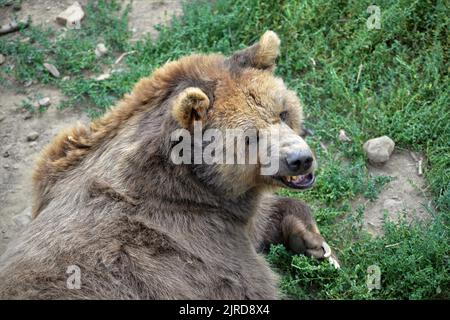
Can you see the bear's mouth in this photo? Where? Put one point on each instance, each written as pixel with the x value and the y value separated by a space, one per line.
pixel 299 182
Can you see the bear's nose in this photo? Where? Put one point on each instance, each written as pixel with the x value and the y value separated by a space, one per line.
pixel 299 160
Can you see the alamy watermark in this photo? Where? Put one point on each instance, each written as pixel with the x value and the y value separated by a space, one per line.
pixel 374 20
pixel 373 277
pixel 230 146
pixel 74 279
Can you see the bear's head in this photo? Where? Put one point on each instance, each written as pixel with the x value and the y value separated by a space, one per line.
pixel 202 123
pixel 235 123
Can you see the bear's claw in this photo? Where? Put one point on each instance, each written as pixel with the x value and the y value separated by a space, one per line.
pixel 334 262
pixel 327 255
pixel 327 250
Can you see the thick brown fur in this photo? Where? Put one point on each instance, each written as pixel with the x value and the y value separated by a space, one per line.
pixel 108 200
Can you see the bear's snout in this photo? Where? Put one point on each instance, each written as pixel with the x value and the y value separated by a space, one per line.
pixel 299 161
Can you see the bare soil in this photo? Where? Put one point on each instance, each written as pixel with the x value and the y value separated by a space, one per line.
pixel 17 154
pixel 404 197
pixel 147 13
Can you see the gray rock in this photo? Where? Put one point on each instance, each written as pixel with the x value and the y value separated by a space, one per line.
pixel 103 77
pixel 2 59
pixel 71 17
pixel 32 136
pixel 52 69
pixel 44 102
pixel 6 154
pixel 100 50
pixel 379 150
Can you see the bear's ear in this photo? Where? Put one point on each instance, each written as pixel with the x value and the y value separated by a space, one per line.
pixel 261 55
pixel 190 105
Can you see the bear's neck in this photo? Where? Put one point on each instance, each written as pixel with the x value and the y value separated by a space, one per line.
pixel 175 188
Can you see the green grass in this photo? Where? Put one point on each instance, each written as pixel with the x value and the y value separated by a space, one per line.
pixel 402 92
pixel 413 264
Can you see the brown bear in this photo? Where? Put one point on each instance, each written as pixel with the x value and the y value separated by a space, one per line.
pixel 116 218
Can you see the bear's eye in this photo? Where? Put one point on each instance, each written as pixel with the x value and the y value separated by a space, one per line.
pixel 284 116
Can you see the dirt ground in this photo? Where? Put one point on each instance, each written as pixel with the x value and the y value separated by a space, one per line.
pixel 18 127
pixel 17 153
pixel 147 13
pixel 144 14
pixel 404 196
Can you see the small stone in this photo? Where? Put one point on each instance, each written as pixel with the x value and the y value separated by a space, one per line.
pixel 27 83
pixel 5 154
pixel 379 150
pixel 32 136
pixel 72 16
pixel 15 167
pixel 6 166
pixel 343 136
pixel 2 59
pixel 100 50
pixel 27 116
pixel 44 102
pixel 52 69
pixel 66 78
pixel 33 144
pixel 103 77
